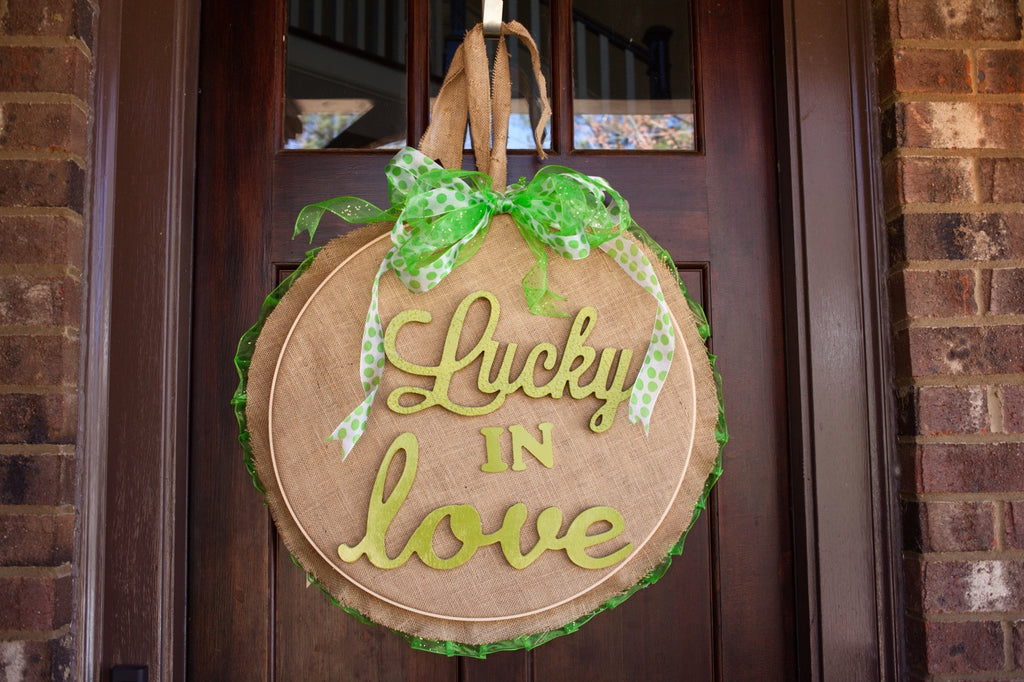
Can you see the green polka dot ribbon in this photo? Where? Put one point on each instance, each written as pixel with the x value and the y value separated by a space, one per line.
pixel 441 217
pixel 653 372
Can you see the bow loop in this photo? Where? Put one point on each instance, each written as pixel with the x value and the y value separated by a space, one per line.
pixel 568 211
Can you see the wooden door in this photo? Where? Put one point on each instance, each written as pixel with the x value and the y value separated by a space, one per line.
pixel 725 610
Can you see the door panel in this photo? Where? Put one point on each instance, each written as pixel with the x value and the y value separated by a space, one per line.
pixel 660 633
pixel 314 640
pixel 725 608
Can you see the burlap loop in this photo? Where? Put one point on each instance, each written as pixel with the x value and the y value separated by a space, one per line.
pixel 466 94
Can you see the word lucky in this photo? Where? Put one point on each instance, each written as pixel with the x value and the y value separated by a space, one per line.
pixel 577 358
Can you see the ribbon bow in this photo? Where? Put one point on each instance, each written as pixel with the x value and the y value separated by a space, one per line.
pixel 441 217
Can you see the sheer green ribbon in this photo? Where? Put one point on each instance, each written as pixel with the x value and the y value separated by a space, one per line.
pixel 441 217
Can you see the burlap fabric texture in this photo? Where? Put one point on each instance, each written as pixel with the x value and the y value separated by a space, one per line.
pixel 304 377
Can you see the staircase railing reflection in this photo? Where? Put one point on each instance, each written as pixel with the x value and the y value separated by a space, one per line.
pixel 377 28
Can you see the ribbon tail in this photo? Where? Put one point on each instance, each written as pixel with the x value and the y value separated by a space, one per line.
pixel 540 299
pixel 654 370
pixel 350 209
pixel 658 359
pixel 371 368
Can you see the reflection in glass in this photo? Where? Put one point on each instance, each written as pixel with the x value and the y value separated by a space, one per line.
pixel 633 75
pixel 345 80
pixel 449 21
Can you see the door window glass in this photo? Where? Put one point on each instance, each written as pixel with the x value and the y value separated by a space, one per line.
pixel 345 78
pixel 633 75
pixel 345 84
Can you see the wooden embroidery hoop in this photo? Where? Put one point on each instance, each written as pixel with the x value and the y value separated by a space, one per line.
pixel 284 496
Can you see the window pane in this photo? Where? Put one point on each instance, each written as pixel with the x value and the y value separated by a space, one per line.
pixel 633 75
pixel 449 21
pixel 345 80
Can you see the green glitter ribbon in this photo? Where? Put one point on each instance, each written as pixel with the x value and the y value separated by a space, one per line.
pixel 441 217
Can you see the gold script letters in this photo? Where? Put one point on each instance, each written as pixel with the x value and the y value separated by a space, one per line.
pixel 576 359
pixel 466 526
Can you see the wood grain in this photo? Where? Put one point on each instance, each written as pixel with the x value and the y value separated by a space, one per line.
pixel 230 566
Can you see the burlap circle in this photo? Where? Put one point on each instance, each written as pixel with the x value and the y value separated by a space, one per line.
pixel 304 378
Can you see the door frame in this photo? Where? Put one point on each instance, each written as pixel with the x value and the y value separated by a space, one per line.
pixel 131 548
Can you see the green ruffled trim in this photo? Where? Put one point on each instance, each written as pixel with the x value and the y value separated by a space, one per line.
pixel 244 356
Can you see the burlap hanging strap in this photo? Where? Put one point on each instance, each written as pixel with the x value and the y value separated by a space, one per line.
pixel 466 94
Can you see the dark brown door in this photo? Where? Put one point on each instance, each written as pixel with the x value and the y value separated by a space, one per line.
pixel 725 610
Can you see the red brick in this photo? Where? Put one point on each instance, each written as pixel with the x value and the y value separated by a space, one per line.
pixel 1018 643
pixel 956 236
pixel 49 183
pixel 38 360
pixel 943 410
pixel 959 19
pixel 37 479
pixel 944 468
pixel 960 125
pixel 999 180
pixel 29 418
pixel 972 586
pixel 934 180
pixel 41 17
pixel 983 290
pixel 1000 71
pixel 35 603
pixel 949 526
pixel 44 127
pixel 1013 408
pixel 1013 524
pixel 45 69
pixel 40 240
pixel 930 293
pixel 1007 291
pixel 40 301
pixel 37 660
pixel 924 351
pixel 909 471
pixel 945 71
pixel 964 647
pixel 36 539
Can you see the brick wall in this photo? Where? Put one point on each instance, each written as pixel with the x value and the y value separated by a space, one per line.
pixel 45 67
pixel 951 80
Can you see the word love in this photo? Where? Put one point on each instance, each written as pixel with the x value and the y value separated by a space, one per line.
pixel 576 359
pixel 467 529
